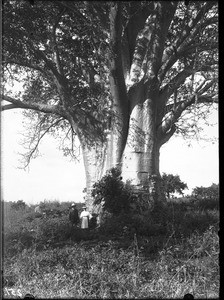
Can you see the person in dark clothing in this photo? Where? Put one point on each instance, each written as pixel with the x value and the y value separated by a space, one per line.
pixel 93 221
pixel 74 215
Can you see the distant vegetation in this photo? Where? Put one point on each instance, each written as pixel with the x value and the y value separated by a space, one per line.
pixel 172 184
pixel 161 255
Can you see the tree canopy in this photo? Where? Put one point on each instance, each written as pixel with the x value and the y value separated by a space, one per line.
pixel 112 74
pixel 60 43
pixel 53 52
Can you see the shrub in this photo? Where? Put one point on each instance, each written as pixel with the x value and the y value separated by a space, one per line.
pixel 17 238
pixel 57 209
pixel 20 204
pixel 113 193
pixel 207 204
pixel 211 192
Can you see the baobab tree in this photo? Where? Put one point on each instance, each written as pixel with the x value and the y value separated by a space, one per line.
pixel 122 77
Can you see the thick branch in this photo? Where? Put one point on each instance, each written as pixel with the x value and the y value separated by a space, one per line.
pixel 174 83
pixel 135 24
pixel 140 55
pixel 150 42
pixel 117 82
pixel 54 42
pixel 176 113
pixel 164 17
pixel 28 105
pixel 116 71
pixel 167 135
pixel 8 106
pixel 59 79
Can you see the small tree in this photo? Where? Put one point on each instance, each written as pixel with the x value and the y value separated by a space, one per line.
pixel 112 193
pixel 172 184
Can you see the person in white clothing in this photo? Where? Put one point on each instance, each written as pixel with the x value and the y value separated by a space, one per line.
pixel 85 216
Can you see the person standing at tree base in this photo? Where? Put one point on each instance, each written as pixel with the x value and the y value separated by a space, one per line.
pixel 85 216
pixel 74 215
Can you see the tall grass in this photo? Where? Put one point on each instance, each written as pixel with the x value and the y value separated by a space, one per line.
pixel 173 253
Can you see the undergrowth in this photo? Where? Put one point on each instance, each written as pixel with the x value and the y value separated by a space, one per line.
pixel 163 255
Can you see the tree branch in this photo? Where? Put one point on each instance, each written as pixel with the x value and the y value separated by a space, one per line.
pixel 59 79
pixel 167 135
pixel 203 87
pixel 140 56
pixel 54 42
pixel 28 105
pixel 174 83
pixel 49 64
pixel 186 32
pixel 116 69
pixel 34 149
pixel 8 106
pixel 117 82
pixel 25 64
pixel 164 17
pixel 181 47
pixel 168 122
pixel 135 23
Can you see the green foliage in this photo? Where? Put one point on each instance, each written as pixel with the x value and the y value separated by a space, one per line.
pixel 211 192
pixel 112 193
pixel 172 184
pixel 20 204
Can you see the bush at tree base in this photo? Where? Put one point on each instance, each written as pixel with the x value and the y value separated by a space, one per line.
pixel 112 193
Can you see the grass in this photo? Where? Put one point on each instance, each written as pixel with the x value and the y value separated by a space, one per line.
pixel 172 254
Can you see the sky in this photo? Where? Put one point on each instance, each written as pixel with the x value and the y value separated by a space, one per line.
pixel 55 177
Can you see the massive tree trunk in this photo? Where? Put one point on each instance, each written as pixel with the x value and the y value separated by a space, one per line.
pixel 134 142
pixel 140 159
pixel 141 156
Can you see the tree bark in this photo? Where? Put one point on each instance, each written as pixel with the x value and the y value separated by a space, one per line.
pixel 120 122
pixel 94 162
pixel 141 155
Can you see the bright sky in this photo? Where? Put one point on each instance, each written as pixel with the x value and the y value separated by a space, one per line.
pixel 55 177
